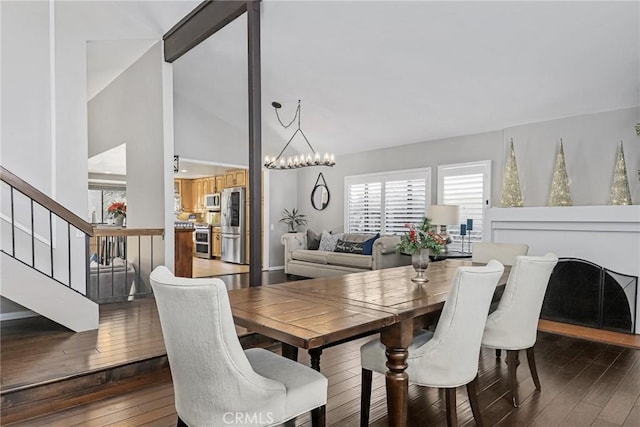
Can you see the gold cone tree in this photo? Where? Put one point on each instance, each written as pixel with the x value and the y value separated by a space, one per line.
pixel 560 192
pixel 511 194
pixel 620 193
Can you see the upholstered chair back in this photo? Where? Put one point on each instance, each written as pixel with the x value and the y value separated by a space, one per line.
pixel 506 253
pixel 513 326
pixel 211 373
pixel 450 358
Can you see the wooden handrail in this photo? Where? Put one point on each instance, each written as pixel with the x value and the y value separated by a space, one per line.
pixel 46 201
pixel 106 231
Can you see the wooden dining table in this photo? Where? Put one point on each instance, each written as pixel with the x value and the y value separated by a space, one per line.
pixel 319 313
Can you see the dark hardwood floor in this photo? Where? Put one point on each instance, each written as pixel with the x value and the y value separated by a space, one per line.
pixel 583 382
pixel 37 350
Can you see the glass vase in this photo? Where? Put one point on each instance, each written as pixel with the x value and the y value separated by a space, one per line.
pixel 420 262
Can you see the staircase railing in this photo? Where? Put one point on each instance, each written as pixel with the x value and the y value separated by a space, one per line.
pixel 106 250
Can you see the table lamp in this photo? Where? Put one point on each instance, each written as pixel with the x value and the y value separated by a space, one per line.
pixel 443 215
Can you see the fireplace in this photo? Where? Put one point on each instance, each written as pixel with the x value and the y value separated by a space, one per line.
pixel 583 293
pixel 608 237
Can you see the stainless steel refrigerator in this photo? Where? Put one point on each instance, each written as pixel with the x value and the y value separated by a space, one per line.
pixel 233 225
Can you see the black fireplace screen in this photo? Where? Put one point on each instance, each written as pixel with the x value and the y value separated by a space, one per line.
pixel 584 293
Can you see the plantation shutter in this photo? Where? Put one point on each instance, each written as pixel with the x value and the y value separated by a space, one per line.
pixel 386 202
pixel 364 210
pixel 405 202
pixel 466 185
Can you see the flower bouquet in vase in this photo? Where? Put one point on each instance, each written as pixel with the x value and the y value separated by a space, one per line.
pixel 420 242
pixel 118 211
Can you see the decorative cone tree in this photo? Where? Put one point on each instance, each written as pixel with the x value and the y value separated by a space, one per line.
pixel 560 192
pixel 511 194
pixel 620 193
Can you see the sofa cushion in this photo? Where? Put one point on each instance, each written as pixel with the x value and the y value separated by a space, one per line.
pixel 367 246
pixel 313 240
pixel 328 241
pixel 349 260
pixel 349 247
pixel 315 256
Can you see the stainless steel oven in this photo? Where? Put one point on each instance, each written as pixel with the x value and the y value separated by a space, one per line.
pixel 202 240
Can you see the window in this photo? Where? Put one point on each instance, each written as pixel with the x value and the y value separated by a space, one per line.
pixel 385 202
pixel 468 186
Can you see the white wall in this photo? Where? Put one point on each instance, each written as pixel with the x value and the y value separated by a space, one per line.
pixel 25 124
pixel 130 110
pixel 199 135
pixel 486 146
pixel 590 149
pixel 283 195
pixel 590 143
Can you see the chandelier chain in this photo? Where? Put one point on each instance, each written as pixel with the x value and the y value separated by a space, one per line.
pixel 296 115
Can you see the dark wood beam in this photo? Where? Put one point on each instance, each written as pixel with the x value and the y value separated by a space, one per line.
pixel 255 144
pixel 206 19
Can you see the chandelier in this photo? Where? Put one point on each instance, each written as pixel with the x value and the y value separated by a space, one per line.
pixel 312 158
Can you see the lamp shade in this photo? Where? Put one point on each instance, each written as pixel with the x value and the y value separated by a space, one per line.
pixel 443 214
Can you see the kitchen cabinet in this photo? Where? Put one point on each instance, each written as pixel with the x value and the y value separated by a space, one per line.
pixel 219 183
pixel 184 188
pixel 210 185
pixel 198 194
pixel 183 252
pixel 216 240
pixel 235 178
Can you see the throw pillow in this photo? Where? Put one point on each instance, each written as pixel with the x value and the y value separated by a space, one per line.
pixel 349 247
pixel 353 237
pixel 367 247
pixel 313 240
pixel 328 241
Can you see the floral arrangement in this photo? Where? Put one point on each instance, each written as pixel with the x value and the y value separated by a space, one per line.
pixel 421 237
pixel 118 209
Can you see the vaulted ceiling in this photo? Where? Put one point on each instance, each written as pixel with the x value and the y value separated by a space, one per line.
pixel 374 74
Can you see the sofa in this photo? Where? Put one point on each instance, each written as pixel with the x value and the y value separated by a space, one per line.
pixel 111 283
pixel 299 260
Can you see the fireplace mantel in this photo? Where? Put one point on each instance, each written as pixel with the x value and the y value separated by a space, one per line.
pixel 605 235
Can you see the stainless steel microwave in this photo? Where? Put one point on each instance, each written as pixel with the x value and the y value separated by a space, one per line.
pixel 212 201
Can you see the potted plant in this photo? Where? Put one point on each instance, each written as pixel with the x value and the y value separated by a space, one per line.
pixel 293 219
pixel 420 242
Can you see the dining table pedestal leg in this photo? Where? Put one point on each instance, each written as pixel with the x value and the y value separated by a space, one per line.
pixel 397 338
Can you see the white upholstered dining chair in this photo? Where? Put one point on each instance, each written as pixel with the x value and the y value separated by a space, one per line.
pixel 514 325
pixel 506 253
pixel 216 382
pixel 448 357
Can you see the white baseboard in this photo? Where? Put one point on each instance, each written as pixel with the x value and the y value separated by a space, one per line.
pixel 275 268
pixel 17 315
